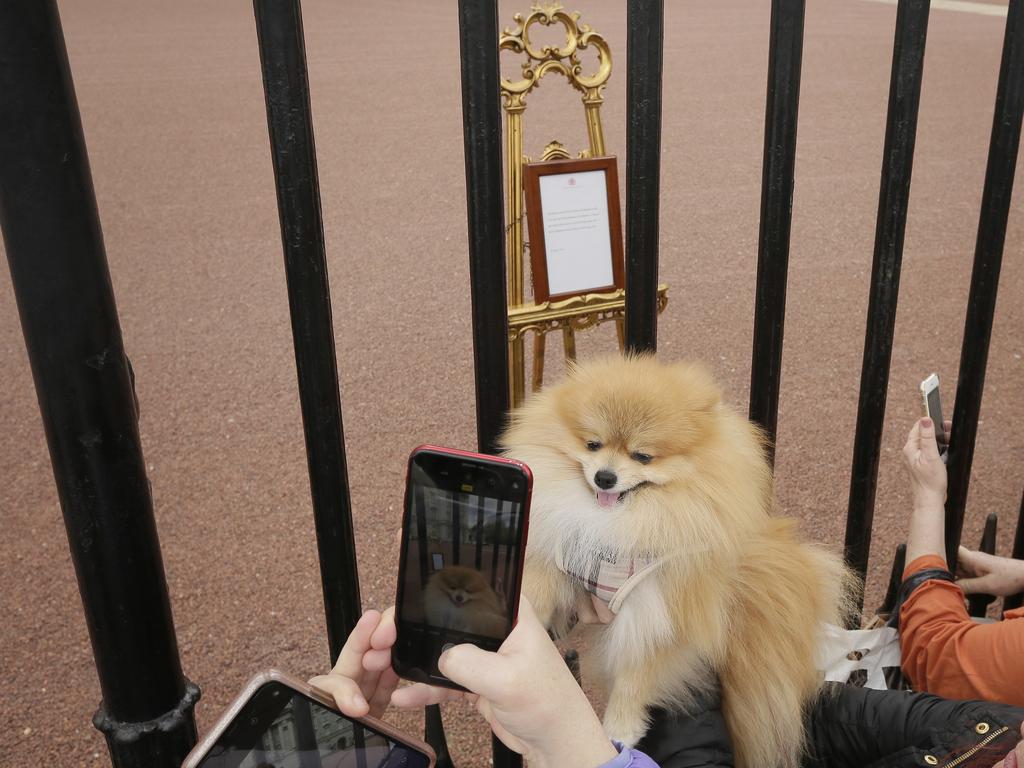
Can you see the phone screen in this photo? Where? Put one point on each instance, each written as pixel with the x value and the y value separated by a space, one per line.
pixel 281 728
pixel 462 558
pixel 935 414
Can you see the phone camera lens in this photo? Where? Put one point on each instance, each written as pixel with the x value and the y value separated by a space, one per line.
pixel 253 720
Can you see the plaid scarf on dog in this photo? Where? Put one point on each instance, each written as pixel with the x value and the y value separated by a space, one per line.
pixel 608 574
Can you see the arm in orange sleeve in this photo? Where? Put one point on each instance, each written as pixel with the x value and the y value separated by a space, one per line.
pixel 946 653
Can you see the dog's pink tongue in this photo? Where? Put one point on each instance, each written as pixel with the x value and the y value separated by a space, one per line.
pixel 606 498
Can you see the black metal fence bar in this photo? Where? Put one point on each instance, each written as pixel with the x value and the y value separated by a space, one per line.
pixel 899 564
pixel 785 52
pixel 978 603
pixel 83 380
pixel 645 33
pixel 433 727
pixel 289 118
pixel 1014 601
pixel 988 257
pixel 481 123
pixel 897 164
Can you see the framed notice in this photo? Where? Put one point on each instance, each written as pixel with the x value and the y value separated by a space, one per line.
pixel 575 227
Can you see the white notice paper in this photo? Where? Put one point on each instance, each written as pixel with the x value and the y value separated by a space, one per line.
pixel 577 242
pixel 862 657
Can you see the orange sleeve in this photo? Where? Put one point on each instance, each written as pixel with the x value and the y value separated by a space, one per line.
pixel 946 653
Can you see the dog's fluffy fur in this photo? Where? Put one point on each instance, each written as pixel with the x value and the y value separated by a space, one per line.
pixel 739 598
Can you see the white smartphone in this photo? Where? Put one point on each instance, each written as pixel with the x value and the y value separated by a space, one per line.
pixel 932 406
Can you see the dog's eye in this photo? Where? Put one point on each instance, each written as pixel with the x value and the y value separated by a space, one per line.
pixel 643 458
pixel 593 445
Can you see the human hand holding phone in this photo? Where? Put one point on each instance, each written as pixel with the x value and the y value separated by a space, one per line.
pixel 925 467
pixel 525 691
pixel 928 481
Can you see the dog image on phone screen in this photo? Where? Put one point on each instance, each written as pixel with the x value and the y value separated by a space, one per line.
pixel 459 598
pixel 654 496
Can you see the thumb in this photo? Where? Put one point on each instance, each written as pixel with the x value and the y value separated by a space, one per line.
pixel 480 671
pixel 929 448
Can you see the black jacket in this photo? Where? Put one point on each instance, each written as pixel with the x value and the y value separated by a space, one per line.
pixel 854 728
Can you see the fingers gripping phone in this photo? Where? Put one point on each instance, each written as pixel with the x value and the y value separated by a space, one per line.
pixel 463 539
pixel 932 405
pixel 280 722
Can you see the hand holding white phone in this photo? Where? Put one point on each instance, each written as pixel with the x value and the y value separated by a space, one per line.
pixel 932 408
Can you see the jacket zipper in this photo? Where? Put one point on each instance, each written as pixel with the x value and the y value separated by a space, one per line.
pixel 988 739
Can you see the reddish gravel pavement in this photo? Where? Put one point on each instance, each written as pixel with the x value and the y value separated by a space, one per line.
pixel 173 110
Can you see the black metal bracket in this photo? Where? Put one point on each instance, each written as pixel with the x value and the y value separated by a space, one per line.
pixel 178 719
pixel 163 740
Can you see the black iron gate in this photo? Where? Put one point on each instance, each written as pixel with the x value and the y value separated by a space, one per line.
pixel 83 378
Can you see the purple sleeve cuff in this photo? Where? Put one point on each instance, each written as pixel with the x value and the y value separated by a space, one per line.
pixel 629 758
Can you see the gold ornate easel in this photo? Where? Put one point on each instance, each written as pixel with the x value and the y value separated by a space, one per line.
pixel 579 312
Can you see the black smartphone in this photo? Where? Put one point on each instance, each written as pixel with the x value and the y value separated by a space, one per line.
pixel 281 722
pixel 460 569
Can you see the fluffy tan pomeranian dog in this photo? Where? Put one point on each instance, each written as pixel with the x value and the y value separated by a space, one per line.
pixel 460 598
pixel 653 495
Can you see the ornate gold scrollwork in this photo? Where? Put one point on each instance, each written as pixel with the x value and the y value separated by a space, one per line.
pixel 555 150
pixel 561 59
pixel 579 312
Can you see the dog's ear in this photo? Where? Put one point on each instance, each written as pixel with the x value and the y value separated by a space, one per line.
pixel 698 385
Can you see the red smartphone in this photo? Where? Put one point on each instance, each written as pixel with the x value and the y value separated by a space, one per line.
pixel 461 563
pixel 278 720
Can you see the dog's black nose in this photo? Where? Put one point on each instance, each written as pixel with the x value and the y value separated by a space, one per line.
pixel 605 479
